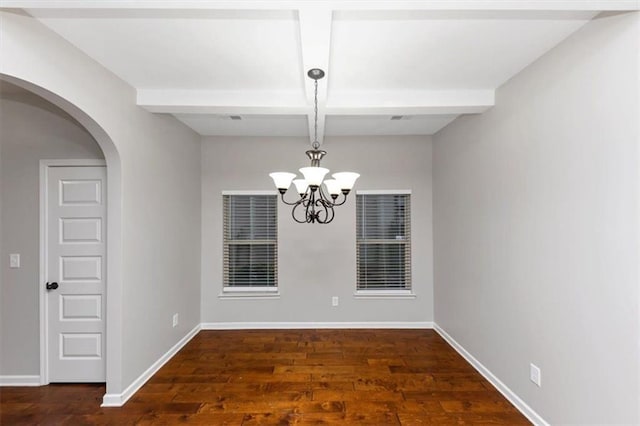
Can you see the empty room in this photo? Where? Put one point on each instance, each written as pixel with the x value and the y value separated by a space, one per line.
pixel 320 212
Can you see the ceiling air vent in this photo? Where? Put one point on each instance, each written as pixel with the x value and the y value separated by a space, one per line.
pixel 400 117
pixel 235 117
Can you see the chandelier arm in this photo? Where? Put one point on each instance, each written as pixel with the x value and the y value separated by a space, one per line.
pixel 325 199
pixel 320 203
pixel 330 213
pixel 327 206
pixel 293 211
pixel 331 204
pixel 295 203
pixel 310 211
pixel 344 200
pixel 333 214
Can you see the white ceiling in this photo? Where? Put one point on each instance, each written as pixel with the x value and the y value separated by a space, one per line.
pixel 428 61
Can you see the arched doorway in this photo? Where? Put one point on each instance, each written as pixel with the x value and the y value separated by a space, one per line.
pixel 113 233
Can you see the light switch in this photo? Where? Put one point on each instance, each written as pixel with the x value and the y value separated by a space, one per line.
pixel 14 260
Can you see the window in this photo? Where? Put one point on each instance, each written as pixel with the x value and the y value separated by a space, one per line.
pixel 250 243
pixel 383 242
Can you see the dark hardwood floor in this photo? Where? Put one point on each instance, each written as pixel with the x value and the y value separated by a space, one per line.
pixel 379 377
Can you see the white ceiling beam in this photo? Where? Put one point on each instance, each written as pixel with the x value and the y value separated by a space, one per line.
pixel 289 103
pixel 410 102
pixel 315 41
pixel 222 102
pixel 225 109
pixel 406 110
pixel 539 5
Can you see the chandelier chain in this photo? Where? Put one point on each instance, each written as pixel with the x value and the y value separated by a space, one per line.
pixel 315 144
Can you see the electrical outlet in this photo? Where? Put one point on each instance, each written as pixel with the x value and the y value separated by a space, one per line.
pixel 535 375
pixel 334 301
pixel 14 260
pixel 175 320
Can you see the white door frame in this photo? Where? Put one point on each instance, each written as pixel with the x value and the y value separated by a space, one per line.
pixel 44 224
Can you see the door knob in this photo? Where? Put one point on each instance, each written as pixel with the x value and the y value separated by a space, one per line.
pixel 52 286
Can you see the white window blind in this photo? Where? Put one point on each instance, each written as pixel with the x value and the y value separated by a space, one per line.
pixel 250 241
pixel 383 241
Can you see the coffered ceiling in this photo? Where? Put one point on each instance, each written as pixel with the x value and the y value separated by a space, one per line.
pixel 393 67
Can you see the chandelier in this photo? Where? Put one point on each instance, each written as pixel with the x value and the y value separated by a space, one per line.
pixel 313 204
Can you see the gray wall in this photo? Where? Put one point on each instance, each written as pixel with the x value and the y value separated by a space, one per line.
pixel 536 226
pixel 31 129
pixel 316 262
pixel 159 208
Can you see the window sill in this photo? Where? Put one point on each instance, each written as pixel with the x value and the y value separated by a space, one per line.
pixel 249 293
pixel 384 294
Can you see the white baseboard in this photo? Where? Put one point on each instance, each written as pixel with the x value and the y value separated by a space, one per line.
pixel 308 325
pixel 534 417
pixel 20 381
pixel 119 399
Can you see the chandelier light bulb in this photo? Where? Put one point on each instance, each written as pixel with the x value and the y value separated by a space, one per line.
pixel 282 180
pixel 333 186
pixel 346 180
pixel 301 186
pixel 314 175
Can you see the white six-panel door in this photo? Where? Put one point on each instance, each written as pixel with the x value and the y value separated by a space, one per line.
pixel 75 260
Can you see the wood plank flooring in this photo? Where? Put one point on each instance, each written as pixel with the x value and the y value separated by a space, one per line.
pixel 282 377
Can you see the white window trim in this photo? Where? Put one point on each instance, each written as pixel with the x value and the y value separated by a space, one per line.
pixel 248 293
pixel 384 294
pixel 383 192
pixel 243 192
pixel 248 289
pixel 256 296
